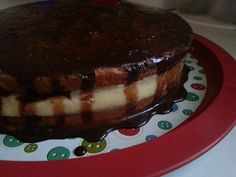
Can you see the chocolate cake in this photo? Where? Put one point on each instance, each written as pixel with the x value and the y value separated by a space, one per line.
pixel 78 68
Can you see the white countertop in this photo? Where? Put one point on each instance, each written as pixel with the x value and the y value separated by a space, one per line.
pixel 221 159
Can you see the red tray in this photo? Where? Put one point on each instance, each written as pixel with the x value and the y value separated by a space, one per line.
pixel 215 117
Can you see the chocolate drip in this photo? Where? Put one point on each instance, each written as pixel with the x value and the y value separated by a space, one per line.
pixel 133 71
pixel 87 80
pixel 131 94
pixel 80 151
pixel 57 89
pixel 131 91
pixel 34 134
pixel 86 107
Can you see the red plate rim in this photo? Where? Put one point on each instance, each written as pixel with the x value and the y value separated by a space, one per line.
pixel 157 157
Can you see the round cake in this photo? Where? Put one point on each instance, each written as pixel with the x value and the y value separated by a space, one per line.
pixel 78 68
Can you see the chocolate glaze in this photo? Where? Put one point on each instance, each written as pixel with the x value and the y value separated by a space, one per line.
pixel 131 94
pixel 80 151
pixel 33 133
pixel 133 71
pixel 88 80
pixel 53 38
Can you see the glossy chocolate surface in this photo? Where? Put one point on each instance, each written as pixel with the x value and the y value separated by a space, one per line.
pixel 52 37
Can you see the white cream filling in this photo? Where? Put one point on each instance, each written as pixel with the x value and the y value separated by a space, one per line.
pixel 104 98
pixel 147 87
pixel 72 106
pixel 10 106
pixel 44 108
pixel 109 97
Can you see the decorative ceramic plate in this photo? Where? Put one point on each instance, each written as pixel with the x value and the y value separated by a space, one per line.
pixel 15 150
pixel 193 127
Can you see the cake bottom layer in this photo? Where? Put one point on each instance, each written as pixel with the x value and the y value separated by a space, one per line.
pixel 33 129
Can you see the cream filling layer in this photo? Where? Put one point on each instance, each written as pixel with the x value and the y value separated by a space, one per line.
pixel 104 98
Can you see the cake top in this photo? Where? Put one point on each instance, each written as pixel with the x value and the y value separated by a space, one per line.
pixel 53 37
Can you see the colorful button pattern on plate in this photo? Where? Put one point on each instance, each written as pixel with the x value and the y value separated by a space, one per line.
pixel 129 132
pixel 198 86
pixel 30 148
pixel 58 153
pixel 174 108
pixel 11 141
pixel 192 96
pixel 164 125
pixel 150 137
pixel 95 147
pixel 197 78
pixel 13 149
pixel 187 112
